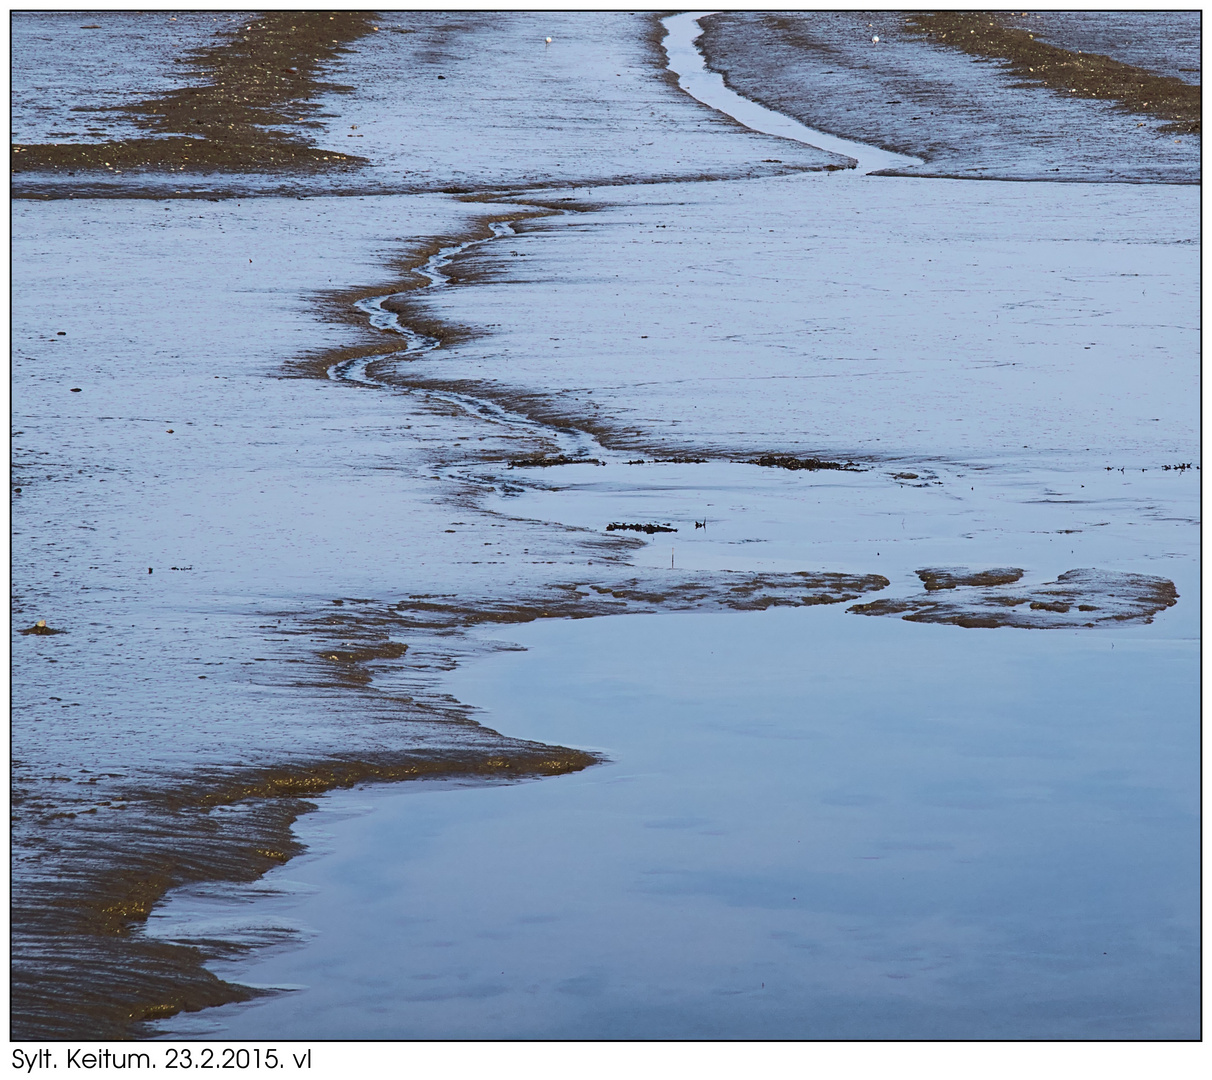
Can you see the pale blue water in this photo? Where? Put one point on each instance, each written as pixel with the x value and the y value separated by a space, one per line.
pixel 813 825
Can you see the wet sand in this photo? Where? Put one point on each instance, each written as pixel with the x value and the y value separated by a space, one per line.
pixel 259 77
pixel 997 105
pixel 322 538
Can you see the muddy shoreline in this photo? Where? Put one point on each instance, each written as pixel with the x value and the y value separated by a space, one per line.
pixel 82 968
pixel 88 935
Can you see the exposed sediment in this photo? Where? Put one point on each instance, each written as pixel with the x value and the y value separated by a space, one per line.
pixel 96 852
pixel 1077 598
pixel 252 122
pixel 82 968
pixel 952 577
pixel 967 92
pixel 1084 74
pixel 253 82
pixel 404 281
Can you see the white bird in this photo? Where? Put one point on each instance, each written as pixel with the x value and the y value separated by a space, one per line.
pixel 875 40
pixel 547 42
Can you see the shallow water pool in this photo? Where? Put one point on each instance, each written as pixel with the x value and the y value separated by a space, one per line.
pixel 811 826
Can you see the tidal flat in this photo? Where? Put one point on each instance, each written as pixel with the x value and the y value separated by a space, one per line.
pixel 355 428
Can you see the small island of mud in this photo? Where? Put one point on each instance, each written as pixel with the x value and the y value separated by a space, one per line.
pixel 1084 598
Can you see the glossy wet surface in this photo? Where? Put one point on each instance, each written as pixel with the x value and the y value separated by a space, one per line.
pixel 812 826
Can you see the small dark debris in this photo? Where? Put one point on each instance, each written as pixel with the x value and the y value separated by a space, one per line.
pixel 905 476
pixel 40 627
pixel 785 461
pixel 542 461
pixel 648 528
pixel 76 389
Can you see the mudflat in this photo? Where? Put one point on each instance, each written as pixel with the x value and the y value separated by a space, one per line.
pixel 346 360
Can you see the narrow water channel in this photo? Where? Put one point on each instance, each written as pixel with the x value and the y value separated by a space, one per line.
pixel 707 86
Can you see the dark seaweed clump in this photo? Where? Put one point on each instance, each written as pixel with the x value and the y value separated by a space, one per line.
pixel 542 461
pixel 669 461
pixel 786 461
pixel 648 528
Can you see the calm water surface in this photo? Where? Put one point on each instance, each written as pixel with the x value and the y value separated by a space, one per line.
pixel 813 825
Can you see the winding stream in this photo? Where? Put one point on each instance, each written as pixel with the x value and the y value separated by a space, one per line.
pixel 571 442
pixel 707 86
pixel 416 343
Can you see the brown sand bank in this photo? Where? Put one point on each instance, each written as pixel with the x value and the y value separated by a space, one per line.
pixel 84 971
pixel 254 118
pixel 252 83
pixel 1084 74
